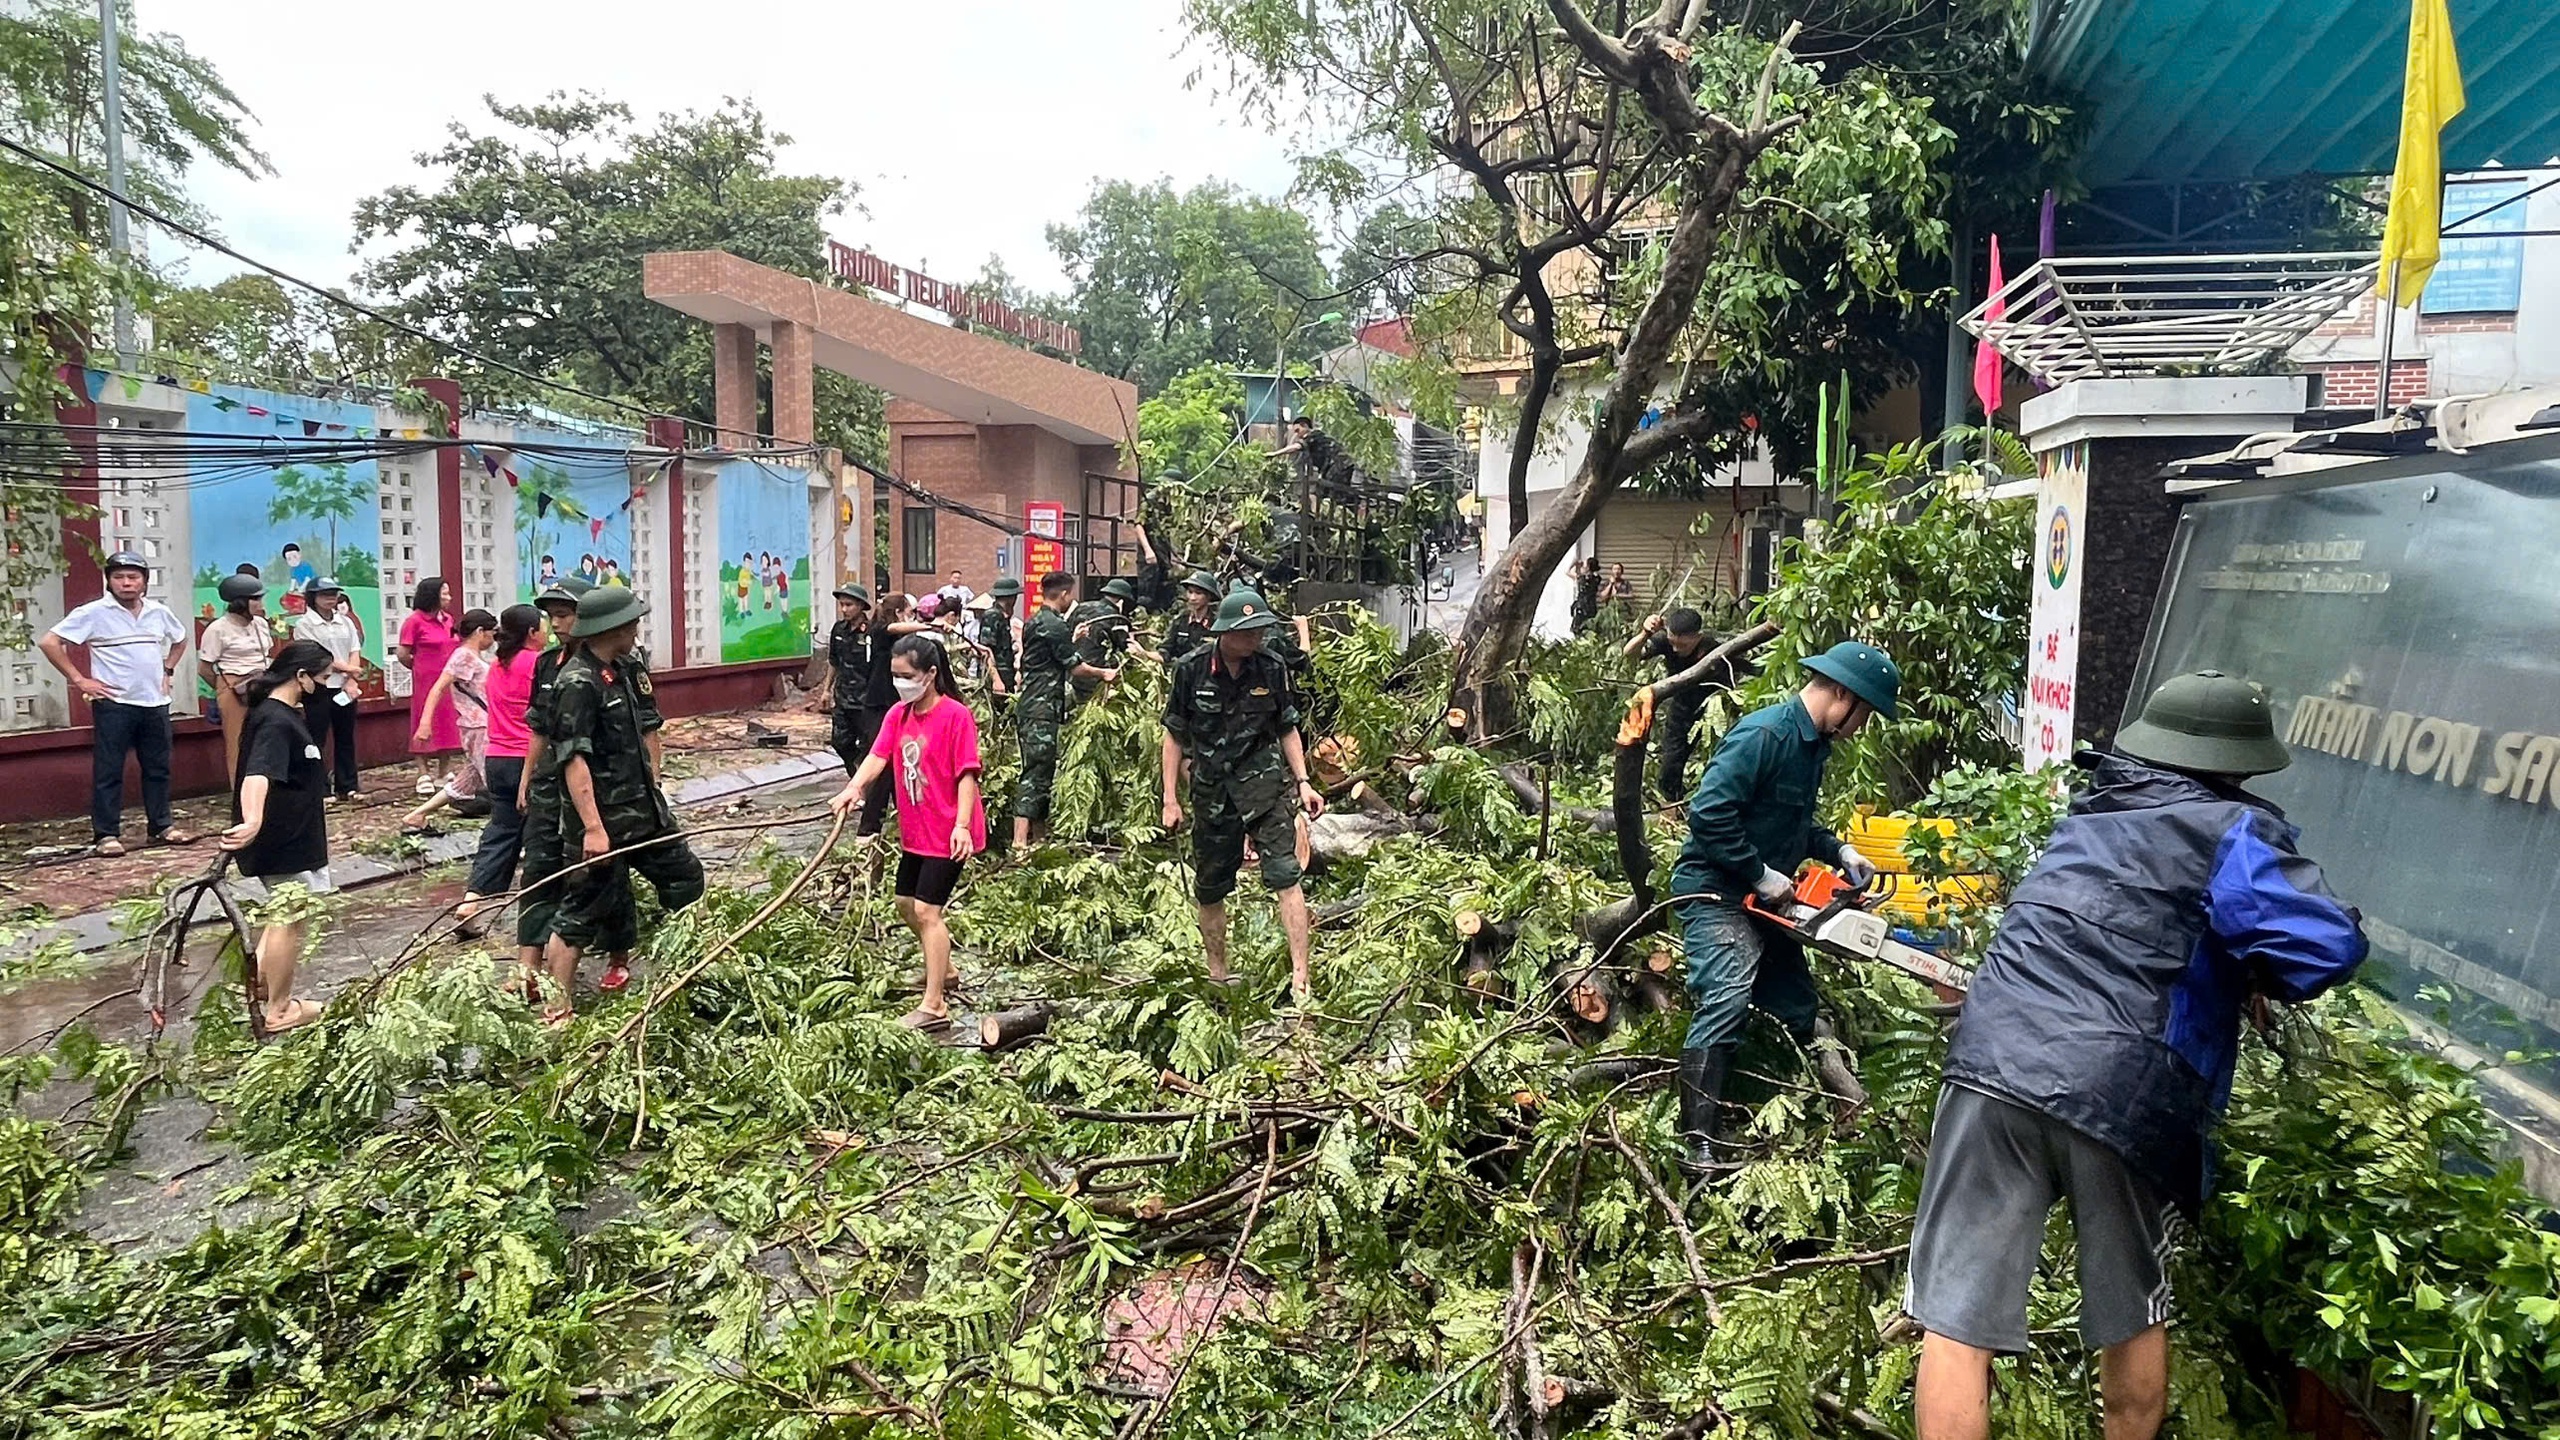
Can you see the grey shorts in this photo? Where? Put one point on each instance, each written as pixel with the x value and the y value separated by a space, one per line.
pixel 1995 1170
pixel 315 881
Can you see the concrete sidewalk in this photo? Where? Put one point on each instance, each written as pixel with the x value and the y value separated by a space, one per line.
pixel 96 930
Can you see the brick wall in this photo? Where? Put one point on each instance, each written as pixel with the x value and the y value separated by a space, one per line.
pixel 2125 547
pixel 2504 324
pixel 2351 385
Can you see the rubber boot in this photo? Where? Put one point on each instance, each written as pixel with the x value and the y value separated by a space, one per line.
pixel 1701 1097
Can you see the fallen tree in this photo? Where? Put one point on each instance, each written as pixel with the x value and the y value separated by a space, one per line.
pixel 1440 1201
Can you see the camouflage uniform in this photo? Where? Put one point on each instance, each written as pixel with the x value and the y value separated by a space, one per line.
pixel 1230 726
pixel 851 728
pixel 603 713
pixel 542 806
pixel 1040 707
pixel 1182 637
pixel 996 633
pixel 1102 638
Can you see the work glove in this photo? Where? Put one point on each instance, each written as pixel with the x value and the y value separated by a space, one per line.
pixel 1858 868
pixel 1774 885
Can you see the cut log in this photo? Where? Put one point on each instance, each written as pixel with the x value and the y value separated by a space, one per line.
pixel 1831 1063
pixel 1635 1072
pixel 1006 1029
pixel 1658 993
pixel 1334 836
pixel 1523 784
pixel 1662 961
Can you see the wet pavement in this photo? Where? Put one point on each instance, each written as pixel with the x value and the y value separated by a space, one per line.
pixel 174 1178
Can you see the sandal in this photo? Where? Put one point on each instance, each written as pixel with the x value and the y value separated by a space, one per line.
pixel 297 1012
pixel 107 845
pixel 174 835
pixel 925 1020
pixel 426 785
pixel 558 1019
pixel 615 977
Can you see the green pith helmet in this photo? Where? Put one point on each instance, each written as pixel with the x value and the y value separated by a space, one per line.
pixel 1119 590
pixel 1863 671
pixel 1204 582
pixel 576 585
pixel 240 587
pixel 853 594
pixel 2210 723
pixel 607 607
pixel 1005 588
pixel 555 597
pixel 1243 610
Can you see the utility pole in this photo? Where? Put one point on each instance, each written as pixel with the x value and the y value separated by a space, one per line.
pixel 119 224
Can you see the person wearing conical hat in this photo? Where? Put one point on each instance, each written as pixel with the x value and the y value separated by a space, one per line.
pixel 1231 726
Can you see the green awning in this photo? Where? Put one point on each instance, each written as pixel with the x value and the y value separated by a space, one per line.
pixel 2224 90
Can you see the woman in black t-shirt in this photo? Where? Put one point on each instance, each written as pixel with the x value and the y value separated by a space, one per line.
pixel 280 832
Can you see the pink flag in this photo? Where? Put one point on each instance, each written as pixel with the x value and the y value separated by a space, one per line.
pixel 595 530
pixel 1986 360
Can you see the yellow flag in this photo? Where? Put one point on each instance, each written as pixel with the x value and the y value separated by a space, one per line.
pixel 2412 238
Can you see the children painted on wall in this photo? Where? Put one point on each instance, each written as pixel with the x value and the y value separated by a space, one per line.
pixel 746 572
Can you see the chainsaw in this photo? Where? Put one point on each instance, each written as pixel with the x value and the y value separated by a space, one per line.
pixel 1825 912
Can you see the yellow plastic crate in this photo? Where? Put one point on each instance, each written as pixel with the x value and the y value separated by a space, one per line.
pixel 1880 839
pixel 1910 897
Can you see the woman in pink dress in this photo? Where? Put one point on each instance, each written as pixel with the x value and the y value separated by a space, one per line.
pixel 427 641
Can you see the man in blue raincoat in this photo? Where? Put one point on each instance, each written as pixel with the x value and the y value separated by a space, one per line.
pixel 2097 1046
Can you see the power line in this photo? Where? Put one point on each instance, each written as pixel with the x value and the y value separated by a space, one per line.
pixel 174 227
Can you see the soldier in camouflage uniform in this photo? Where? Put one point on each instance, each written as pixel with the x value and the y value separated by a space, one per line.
pixel 538 794
pixel 996 631
pixel 849 675
pixel 1049 669
pixel 1190 629
pixel 1231 718
pixel 605 756
pixel 1103 635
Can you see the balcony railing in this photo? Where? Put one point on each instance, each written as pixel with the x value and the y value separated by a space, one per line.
pixel 2083 317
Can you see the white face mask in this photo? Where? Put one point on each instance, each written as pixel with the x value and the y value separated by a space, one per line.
pixel 909 689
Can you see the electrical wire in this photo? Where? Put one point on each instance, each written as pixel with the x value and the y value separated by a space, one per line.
pixel 174 227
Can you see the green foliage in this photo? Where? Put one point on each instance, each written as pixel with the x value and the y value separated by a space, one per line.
pixel 53 285
pixel 525 245
pixel 1935 576
pixel 1162 281
pixel 772 1210
pixel 177 110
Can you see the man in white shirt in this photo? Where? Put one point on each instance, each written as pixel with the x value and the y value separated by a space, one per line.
pixel 956 596
pixel 134 644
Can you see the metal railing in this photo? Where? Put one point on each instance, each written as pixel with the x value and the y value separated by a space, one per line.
pixel 2083 317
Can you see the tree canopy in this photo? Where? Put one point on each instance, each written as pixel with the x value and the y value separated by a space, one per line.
pixel 527 246
pixel 1162 281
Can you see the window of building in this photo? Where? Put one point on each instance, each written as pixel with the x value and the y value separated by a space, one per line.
pixel 918 540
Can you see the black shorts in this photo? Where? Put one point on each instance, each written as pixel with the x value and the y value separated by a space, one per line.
pixel 927 879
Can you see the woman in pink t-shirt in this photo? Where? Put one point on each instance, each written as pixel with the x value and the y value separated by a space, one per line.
pixel 928 748
pixel 509 689
pixel 427 640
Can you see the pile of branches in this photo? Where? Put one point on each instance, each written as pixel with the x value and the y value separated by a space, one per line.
pixel 741 1200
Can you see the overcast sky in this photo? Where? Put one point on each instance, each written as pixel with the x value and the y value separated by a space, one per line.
pixel 968 125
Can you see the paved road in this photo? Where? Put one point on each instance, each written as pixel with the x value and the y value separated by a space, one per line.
pixel 1445 612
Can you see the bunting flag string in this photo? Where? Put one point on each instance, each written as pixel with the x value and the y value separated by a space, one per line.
pixel 132 386
pixel 541 504
pixel 595 530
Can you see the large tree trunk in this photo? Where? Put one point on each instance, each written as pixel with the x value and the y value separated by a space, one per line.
pixel 1653 62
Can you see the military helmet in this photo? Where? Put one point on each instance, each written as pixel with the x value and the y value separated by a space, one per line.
pixel 2210 723
pixel 1243 610
pixel 853 594
pixel 322 585
pixel 1119 590
pixel 607 607
pixel 555 595
pixel 127 560
pixel 1863 671
pixel 1005 588
pixel 1202 581
pixel 576 585
pixel 240 587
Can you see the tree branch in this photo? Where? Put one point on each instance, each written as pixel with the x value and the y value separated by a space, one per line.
pixel 1664 436
pixel 1613 59
pixel 1778 55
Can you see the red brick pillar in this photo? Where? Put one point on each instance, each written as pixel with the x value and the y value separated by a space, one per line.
pixel 733 385
pixel 449 497
pixel 667 433
pixel 795 380
pixel 861 553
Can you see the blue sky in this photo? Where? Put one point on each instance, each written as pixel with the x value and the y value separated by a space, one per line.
pixel 969 125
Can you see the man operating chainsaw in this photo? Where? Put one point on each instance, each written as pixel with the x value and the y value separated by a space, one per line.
pixel 1751 826
pixel 2097 1044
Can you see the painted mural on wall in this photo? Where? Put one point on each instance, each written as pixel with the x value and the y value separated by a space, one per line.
pixel 295 522
pixel 764 562
pixel 573 517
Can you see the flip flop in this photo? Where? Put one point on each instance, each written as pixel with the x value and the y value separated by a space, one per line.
pixel 558 1019
pixel 175 835
pixel 110 846
pixel 298 1012
pixel 614 978
pixel 925 1020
